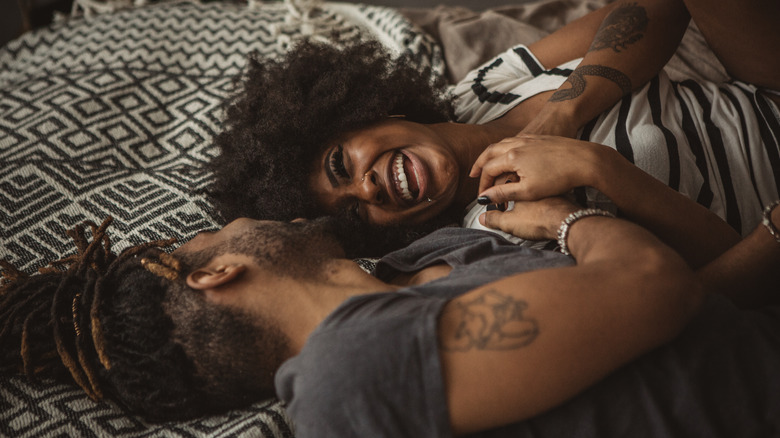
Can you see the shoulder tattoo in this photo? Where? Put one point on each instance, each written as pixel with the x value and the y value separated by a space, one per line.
pixel 578 82
pixel 622 27
pixel 491 321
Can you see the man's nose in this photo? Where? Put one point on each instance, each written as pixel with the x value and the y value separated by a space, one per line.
pixel 368 188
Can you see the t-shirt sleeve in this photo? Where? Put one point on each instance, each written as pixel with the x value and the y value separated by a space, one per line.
pixel 497 86
pixel 371 369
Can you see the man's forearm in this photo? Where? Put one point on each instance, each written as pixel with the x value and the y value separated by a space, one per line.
pixel 749 273
pixel 696 233
pixel 523 344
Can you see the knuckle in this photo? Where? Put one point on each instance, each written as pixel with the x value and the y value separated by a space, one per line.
pixel 513 154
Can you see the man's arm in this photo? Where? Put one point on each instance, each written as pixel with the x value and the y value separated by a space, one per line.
pixel 749 273
pixel 623 45
pixel 546 166
pixel 519 346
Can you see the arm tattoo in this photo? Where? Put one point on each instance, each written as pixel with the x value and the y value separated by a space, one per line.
pixel 578 82
pixel 622 27
pixel 491 321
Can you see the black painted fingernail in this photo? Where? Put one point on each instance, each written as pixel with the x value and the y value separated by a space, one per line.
pixel 483 200
pixel 492 207
pixel 508 181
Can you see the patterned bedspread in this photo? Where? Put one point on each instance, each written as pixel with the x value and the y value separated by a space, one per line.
pixel 114 115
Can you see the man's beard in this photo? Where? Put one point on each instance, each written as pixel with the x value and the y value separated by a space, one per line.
pixel 291 249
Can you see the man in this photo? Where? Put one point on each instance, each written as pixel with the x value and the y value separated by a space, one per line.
pixel 468 333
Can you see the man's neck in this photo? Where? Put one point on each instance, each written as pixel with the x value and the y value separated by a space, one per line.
pixel 315 300
pixel 422 276
pixel 343 280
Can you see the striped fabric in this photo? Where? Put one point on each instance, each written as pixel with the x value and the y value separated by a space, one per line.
pixel 718 144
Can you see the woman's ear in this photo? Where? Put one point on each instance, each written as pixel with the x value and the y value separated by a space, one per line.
pixel 212 278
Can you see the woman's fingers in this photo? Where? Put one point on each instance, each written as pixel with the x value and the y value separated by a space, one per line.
pixel 504 193
pixel 488 154
pixel 499 168
pixel 494 150
pixel 538 166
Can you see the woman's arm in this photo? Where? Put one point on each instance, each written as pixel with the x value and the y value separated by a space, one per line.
pixel 549 166
pixel 623 45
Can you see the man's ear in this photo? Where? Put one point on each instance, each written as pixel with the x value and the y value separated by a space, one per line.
pixel 212 278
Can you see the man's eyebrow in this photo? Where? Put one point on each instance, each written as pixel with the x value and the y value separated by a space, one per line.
pixel 328 171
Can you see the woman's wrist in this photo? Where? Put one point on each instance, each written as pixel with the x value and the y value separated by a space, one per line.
pixel 602 167
pixel 556 118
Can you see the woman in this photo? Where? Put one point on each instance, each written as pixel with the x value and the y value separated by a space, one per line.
pixel 352 132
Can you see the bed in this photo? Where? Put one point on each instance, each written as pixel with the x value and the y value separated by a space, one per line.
pixel 111 112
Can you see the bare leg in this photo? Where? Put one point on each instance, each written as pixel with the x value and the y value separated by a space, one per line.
pixel 744 35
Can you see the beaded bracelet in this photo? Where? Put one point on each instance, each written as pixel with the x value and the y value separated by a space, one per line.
pixel 766 220
pixel 563 231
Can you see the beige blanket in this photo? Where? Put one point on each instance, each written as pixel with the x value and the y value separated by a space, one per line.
pixel 470 38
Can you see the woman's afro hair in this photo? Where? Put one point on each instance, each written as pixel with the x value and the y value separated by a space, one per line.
pixel 288 110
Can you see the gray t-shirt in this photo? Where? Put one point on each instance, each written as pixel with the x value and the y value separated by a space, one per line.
pixel 372 369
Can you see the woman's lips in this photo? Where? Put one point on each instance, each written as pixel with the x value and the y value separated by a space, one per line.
pixel 408 176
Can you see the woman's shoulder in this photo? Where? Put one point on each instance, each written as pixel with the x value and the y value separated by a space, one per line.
pixel 500 84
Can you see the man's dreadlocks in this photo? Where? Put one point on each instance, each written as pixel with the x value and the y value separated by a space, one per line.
pixel 108 322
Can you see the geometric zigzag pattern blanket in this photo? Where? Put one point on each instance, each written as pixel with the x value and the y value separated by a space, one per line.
pixel 114 115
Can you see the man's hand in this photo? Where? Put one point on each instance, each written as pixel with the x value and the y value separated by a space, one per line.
pixel 544 166
pixel 513 348
pixel 537 220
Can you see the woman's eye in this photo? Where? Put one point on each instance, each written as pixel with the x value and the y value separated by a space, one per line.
pixel 337 163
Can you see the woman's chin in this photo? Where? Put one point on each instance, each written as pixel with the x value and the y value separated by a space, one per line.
pixel 429 208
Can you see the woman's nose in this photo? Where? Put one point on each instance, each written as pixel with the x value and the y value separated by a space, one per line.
pixel 368 188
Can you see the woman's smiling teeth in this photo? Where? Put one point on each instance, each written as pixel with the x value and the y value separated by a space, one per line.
pixel 404 184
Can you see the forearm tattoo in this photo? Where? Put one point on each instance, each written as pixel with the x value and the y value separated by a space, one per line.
pixel 622 27
pixel 578 82
pixel 491 321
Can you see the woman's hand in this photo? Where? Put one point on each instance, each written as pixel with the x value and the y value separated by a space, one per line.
pixel 540 167
pixel 536 220
pixel 543 166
